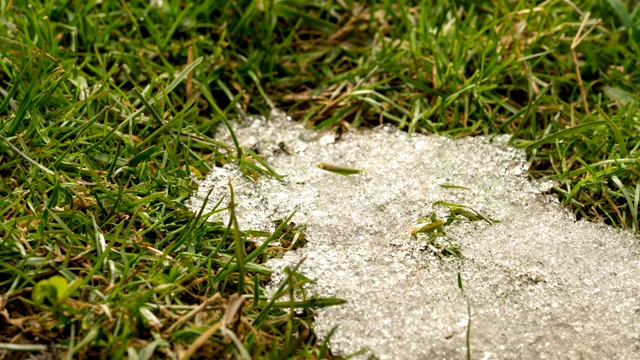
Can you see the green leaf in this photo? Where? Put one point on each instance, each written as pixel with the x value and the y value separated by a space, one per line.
pixel 73 286
pixel 459 209
pixel 622 144
pixel 560 134
pixel 54 289
pixel 154 113
pixel 181 76
pixel 431 227
pixel 143 155
pixel 26 157
pixel 40 292
pixel 625 17
pixel 60 285
pixel 338 169
pixel 450 186
pixel 311 303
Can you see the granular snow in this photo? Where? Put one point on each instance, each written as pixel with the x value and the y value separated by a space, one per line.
pixel 539 283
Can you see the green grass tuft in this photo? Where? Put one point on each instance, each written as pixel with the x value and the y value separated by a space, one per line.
pixel 109 109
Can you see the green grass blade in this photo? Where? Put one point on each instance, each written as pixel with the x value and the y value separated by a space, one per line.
pixel 307 304
pixel 179 78
pixel 26 157
pixel 532 144
pixel 622 144
pixel 338 169
pixel 239 243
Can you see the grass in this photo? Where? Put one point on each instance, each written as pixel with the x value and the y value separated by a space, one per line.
pixel 109 111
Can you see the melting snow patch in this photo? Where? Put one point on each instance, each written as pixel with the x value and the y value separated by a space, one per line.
pixel 540 284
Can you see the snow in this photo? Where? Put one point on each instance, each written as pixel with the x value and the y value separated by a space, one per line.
pixel 539 283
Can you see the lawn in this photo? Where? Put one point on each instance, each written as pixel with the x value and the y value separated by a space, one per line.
pixel 108 117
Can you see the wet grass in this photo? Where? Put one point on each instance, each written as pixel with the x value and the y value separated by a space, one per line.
pixel 109 112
